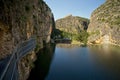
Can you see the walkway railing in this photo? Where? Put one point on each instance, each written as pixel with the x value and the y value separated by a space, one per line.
pixel 10 65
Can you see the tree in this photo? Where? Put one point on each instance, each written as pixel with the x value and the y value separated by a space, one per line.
pixel 82 37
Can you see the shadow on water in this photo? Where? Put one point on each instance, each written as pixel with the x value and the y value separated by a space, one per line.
pixel 42 64
pixel 65 41
pixel 77 62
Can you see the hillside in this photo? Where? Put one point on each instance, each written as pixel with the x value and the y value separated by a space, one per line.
pixel 72 27
pixel 104 24
pixel 72 24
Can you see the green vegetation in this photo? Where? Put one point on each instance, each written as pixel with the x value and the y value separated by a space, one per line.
pixel 97 32
pixel 66 35
pixel 73 28
pixel 80 37
pixel 56 33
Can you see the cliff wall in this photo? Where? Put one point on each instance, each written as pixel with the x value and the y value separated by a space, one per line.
pixel 104 24
pixel 20 20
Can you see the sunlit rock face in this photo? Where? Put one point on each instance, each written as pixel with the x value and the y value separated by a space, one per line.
pixel 104 24
pixel 20 20
pixel 72 24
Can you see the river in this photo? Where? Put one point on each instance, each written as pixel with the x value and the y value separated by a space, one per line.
pixel 74 62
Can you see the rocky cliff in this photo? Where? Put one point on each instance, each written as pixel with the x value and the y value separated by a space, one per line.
pixel 72 24
pixel 104 24
pixel 20 20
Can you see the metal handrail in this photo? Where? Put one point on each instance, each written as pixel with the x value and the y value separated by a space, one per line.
pixel 18 53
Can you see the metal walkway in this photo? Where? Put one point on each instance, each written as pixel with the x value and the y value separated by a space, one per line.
pixel 9 66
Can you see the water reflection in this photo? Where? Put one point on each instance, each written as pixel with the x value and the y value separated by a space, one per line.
pixel 67 46
pixel 42 63
pixel 74 62
pixel 85 63
pixel 107 57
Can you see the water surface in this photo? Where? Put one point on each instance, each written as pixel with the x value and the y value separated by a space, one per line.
pixel 71 62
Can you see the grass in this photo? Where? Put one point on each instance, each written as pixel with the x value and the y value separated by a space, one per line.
pixel 75 42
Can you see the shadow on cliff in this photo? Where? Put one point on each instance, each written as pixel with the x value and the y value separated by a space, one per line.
pixel 42 64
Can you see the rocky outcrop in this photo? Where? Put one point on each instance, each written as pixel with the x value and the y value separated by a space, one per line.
pixel 72 24
pixel 20 20
pixel 104 24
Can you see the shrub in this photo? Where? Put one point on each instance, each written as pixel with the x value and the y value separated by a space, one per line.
pixel 82 37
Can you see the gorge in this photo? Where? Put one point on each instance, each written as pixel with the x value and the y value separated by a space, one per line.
pixel 103 26
pixel 21 20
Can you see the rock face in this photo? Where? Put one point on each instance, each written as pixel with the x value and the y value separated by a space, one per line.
pixel 104 24
pixel 20 20
pixel 72 24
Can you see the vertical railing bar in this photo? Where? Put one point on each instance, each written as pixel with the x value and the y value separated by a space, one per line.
pixel 13 70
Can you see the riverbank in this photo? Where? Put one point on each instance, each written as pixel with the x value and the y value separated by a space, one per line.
pixel 75 42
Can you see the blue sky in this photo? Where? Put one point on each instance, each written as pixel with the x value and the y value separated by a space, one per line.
pixel 83 8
